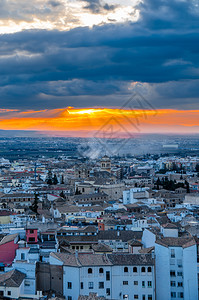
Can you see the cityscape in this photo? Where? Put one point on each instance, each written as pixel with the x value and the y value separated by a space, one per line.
pixel 99 150
pixel 121 227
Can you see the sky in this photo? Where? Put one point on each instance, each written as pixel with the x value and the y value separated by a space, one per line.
pixel 81 67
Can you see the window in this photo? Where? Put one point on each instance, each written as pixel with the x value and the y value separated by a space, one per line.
pixel 136 297
pixel 90 285
pixel 172 253
pixel 172 273
pixel 179 262
pixel 149 284
pixel 27 283
pixel 125 283
pixel 90 271
pixel 180 295
pixel 126 269
pixel 31 231
pixel 143 297
pixel 149 297
pixel 125 297
pixel 81 285
pixel 173 283
pixel 1 293
pixel 101 285
pixel 143 284
pixel 22 256
pixel 135 269
pixel 179 273
pixel 31 239
pixel 172 261
pixel 107 275
pixel 73 247
pixel 149 269
pixel 69 297
pixel 180 284
pixel 135 282
pixel 143 269
pixel 9 293
pixel 81 247
pixel 69 285
pixel 173 294
pixel 101 270
pixel 108 291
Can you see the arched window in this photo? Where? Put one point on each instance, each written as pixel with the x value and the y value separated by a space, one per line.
pixel 135 269
pixel 149 269
pixel 101 270
pixel 90 271
pixel 126 269
pixel 143 269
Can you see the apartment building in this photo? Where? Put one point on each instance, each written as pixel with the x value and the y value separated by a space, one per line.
pixel 113 276
pixel 176 268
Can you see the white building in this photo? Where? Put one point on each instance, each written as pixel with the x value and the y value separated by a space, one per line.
pixel 12 284
pixel 133 195
pixel 114 276
pixel 169 230
pixel 149 237
pixel 25 262
pixel 176 268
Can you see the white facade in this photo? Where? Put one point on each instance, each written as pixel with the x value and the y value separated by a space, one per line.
pixel 133 195
pixel 176 272
pixel 111 281
pixel 169 232
pixel 148 238
pixel 27 268
pixel 12 292
pixel 25 262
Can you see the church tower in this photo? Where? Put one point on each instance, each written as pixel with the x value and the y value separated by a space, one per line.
pixel 105 164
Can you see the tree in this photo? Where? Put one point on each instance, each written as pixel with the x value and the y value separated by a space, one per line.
pixel 4 205
pixel 187 186
pixel 158 183
pixel 162 171
pixel 62 195
pixel 62 179
pixel 55 180
pixel 77 192
pixel 175 167
pixel 49 180
pixel 34 206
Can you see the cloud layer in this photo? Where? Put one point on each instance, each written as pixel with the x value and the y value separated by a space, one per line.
pixel 157 56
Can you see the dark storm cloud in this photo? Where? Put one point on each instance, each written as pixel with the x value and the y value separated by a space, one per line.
pixel 40 69
pixel 96 6
pixel 54 3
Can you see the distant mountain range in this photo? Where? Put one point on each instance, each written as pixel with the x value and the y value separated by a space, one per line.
pixel 20 133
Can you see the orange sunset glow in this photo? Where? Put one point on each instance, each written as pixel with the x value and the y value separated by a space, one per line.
pixel 86 121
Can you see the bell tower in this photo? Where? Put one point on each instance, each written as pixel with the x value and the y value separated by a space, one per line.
pixel 105 164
